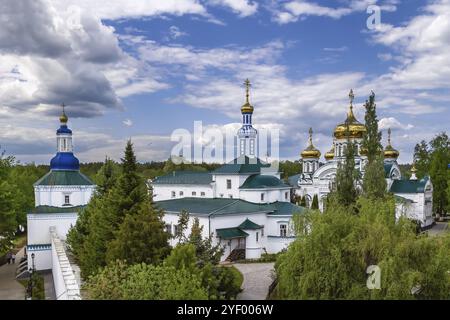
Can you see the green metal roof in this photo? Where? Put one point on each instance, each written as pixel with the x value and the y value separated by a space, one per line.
pixel 51 209
pixel 185 177
pixel 409 186
pixel 225 206
pixel 249 225
pixel 243 165
pixel 293 180
pixel 64 178
pixel 231 233
pixel 387 169
pixel 258 181
pixel 285 208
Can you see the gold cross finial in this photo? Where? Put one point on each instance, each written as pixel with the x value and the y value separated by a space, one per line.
pixel 389 136
pixel 310 136
pixel 63 105
pixel 352 97
pixel 247 89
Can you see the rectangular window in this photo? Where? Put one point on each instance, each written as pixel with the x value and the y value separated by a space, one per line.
pixel 283 230
pixel 174 194
pixel 181 193
pixel 194 193
pixel 202 194
pixel 66 199
pixel 257 236
pixel 286 195
pixel 169 228
pixel 262 231
pixel 262 196
pixel 230 196
pixel 228 183
pixel 175 229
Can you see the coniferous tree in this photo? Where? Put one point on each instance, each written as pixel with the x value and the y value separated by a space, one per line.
pixel 303 201
pixel 315 203
pixel 141 238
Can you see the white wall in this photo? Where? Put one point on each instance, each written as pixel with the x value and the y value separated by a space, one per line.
pixel 54 195
pixel 221 185
pixel 38 225
pixel 270 195
pixel 164 192
pixel 42 258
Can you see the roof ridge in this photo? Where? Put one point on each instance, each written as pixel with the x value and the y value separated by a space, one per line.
pixel 227 205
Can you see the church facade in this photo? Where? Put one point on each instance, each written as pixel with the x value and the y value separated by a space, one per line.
pixel 59 195
pixel 243 204
pixel 413 196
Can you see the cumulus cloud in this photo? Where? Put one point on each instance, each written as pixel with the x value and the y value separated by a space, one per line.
pixel 242 7
pixel 393 123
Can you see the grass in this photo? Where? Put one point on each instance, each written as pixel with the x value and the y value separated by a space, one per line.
pixel 238 277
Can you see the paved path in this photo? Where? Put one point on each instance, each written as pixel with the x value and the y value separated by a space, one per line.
pixel 10 289
pixel 438 229
pixel 257 279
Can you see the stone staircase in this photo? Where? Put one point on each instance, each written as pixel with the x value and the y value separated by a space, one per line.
pixel 236 254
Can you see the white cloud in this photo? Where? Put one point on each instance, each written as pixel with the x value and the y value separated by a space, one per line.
pixel 175 32
pixel 127 122
pixel 393 123
pixel 242 7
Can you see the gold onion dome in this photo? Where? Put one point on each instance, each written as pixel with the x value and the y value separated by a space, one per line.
pixel 330 154
pixel 354 127
pixel 247 107
pixel 63 117
pixel 389 151
pixel 310 152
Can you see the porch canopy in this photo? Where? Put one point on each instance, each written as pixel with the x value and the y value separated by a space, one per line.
pixel 231 233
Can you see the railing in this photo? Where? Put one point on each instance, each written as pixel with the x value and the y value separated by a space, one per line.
pixel 66 285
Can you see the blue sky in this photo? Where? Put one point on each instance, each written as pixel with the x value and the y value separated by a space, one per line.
pixel 141 69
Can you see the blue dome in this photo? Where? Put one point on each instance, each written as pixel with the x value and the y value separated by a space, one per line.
pixel 64 161
pixel 63 129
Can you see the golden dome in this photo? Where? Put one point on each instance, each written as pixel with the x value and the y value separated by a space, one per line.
pixel 247 107
pixel 389 151
pixel 310 152
pixel 330 154
pixel 354 127
pixel 63 117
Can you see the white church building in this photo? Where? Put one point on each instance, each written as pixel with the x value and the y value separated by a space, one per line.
pixel 59 195
pixel 413 196
pixel 243 204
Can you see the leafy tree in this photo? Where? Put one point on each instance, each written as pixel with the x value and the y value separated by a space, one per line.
pixel 8 221
pixel 332 251
pixel 374 183
pixel 346 178
pixel 422 158
pixel 315 203
pixel 372 138
pixel 141 238
pixel 439 178
pixel 119 281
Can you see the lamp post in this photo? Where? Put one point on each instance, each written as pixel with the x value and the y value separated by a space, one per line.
pixel 32 261
pixel 29 292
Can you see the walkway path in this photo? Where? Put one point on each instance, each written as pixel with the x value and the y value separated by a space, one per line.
pixel 439 228
pixel 257 279
pixel 10 289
